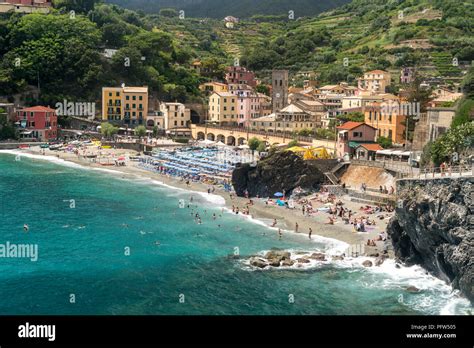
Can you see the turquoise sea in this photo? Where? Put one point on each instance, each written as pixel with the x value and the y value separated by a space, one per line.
pixel 128 248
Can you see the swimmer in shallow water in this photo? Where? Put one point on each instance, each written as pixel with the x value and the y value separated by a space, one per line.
pixel 26 227
pixel 157 243
pixel 124 225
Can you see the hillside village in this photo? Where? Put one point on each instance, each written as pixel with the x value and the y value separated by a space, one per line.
pixel 377 111
pixel 244 157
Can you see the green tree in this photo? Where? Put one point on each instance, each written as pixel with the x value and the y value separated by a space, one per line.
pixel 459 139
pixel 58 53
pixel 7 129
pixel 168 12
pixel 352 116
pixel 262 147
pixel 263 89
pixel 325 133
pixel 464 113
pixel 81 6
pixel 293 143
pixel 304 132
pixel 140 131
pixel 254 143
pixel 384 142
pixel 155 131
pixel 468 84
pixel 108 130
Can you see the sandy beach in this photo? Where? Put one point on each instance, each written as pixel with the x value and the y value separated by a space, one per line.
pixel 286 218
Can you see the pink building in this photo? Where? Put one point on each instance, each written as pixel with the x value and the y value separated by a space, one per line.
pixel 38 122
pixel 353 134
pixel 240 75
pixel 248 106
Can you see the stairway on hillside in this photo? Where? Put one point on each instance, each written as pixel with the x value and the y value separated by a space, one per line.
pixel 332 178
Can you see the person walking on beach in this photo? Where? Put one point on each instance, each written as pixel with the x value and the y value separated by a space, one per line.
pixel 296 227
pixel 310 232
pixel 274 223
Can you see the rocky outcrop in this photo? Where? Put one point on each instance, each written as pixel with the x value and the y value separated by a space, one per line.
pixel 434 227
pixel 282 171
pixel 367 263
pixel 282 258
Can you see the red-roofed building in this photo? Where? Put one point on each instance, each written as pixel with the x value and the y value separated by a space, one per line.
pixel 367 151
pixel 38 122
pixel 352 134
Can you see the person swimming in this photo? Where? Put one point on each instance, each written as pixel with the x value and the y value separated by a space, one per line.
pixel 26 227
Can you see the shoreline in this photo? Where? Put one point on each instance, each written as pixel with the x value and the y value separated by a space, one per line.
pixel 407 277
pixel 286 218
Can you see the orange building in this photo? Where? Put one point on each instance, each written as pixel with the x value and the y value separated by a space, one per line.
pixel 388 124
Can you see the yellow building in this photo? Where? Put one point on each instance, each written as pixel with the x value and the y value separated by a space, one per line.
pixel 175 115
pixel 210 87
pixel 375 81
pixel 223 109
pixel 127 105
pixel 388 124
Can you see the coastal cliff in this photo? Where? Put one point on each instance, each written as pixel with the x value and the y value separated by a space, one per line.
pixel 434 227
pixel 282 171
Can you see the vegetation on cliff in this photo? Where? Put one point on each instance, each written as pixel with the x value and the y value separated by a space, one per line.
pixel 63 54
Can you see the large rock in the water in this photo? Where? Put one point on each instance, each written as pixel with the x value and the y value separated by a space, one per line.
pixel 318 257
pixel 279 255
pixel 433 227
pixel 282 171
pixel 257 262
pixel 367 263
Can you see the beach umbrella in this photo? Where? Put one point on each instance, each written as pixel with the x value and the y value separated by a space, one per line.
pixel 278 194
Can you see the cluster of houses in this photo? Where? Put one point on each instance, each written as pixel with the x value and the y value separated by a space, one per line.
pixel 236 102
pixel 129 107
pixel 25 6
